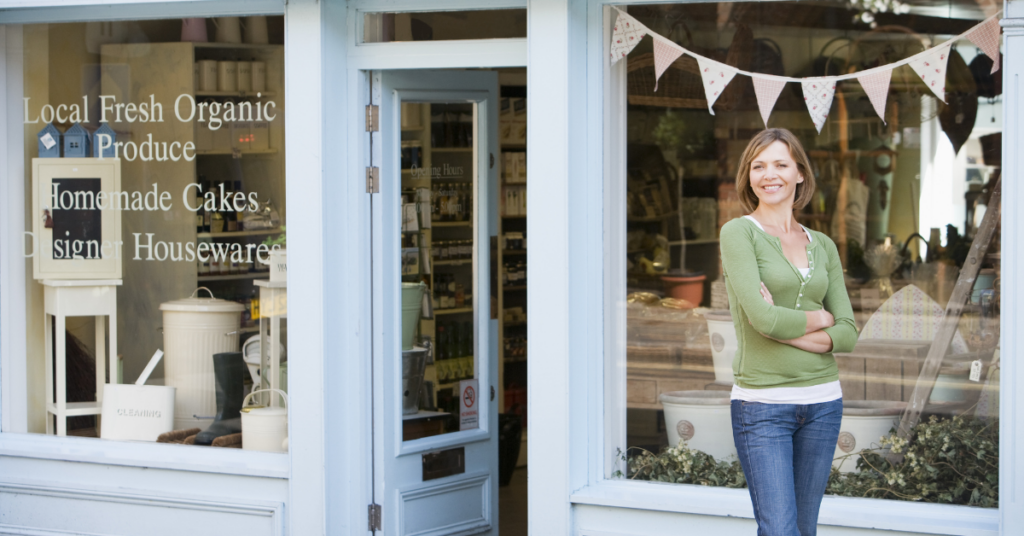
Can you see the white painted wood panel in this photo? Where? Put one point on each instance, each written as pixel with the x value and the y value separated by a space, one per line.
pixel 54 496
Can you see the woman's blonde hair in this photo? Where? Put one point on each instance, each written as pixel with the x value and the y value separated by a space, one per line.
pixel 804 190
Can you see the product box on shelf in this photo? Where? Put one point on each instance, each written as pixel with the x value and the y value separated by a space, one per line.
pixel 259 136
pixel 241 135
pixel 518 121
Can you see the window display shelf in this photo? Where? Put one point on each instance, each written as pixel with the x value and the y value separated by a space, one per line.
pixel 230 234
pixel 514 252
pixel 654 218
pixel 223 152
pixel 239 46
pixel 458 262
pixel 695 242
pixel 240 94
pixel 230 277
pixel 451 224
pixel 457 311
pixel 77 409
pixel 452 149
pixel 515 287
pixel 513 217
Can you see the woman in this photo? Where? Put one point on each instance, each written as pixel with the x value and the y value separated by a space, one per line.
pixel 791 311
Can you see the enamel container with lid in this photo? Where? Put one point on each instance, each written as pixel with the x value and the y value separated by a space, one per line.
pixel 195 328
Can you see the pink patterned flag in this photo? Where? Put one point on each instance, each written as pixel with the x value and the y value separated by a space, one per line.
pixel 931 67
pixel 715 76
pixel 767 90
pixel 986 37
pixel 626 35
pixel 876 85
pixel 818 94
pixel 665 52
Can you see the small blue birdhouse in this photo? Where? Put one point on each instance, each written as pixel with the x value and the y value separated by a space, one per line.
pixel 49 142
pixel 76 142
pixel 104 138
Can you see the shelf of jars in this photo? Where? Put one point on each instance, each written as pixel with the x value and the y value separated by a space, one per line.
pixel 230 277
pixel 236 234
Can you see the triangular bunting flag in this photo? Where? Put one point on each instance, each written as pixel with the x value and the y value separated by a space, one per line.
pixel 665 52
pixel 818 94
pixel 986 37
pixel 876 85
pixel 715 76
pixel 626 35
pixel 931 67
pixel 767 91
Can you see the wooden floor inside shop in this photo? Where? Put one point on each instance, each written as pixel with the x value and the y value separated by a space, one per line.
pixel 512 505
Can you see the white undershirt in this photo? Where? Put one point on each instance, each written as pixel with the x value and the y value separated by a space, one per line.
pixel 815 394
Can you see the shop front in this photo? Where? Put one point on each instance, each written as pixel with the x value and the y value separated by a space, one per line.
pixel 265 264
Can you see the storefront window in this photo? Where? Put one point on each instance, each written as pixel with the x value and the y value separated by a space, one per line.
pixel 902 189
pixel 155 230
pixel 444 25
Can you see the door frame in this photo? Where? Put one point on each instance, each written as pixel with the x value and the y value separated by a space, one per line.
pixel 349 479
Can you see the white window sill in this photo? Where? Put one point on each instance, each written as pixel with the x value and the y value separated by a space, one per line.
pixel 145 454
pixel 839 511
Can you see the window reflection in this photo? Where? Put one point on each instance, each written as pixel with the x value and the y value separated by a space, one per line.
pixel 902 199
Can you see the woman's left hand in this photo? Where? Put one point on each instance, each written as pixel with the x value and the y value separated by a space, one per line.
pixel 766 295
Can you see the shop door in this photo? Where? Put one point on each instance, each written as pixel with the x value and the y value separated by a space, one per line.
pixel 435 440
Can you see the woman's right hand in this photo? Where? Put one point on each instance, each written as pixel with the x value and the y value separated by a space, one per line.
pixel 818 320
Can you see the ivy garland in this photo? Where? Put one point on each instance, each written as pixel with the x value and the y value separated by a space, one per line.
pixel 949 461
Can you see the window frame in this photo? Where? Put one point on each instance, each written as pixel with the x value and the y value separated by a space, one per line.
pixel 14 439
pixel 606 87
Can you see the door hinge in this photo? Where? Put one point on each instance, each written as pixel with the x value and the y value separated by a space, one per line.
pixel 373 180
pixel 373 516
pixel 372 118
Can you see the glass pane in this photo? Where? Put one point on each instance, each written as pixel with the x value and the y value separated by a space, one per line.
pixel 901 200
pixel 155 189
pixel 438 256
pixel 444 25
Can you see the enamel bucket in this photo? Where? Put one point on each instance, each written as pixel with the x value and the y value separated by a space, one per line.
pixel 195 329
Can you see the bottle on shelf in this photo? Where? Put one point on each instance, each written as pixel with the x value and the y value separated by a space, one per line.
pixel 217 222
pixel 254 303
pixel 230 218
pixel 200 212
pixel 240 215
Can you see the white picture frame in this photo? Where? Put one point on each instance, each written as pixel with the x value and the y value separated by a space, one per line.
pixel 76 233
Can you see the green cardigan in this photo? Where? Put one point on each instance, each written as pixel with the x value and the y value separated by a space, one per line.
pixel 751 256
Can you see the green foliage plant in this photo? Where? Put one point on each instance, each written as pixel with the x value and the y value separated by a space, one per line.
pixel 947 461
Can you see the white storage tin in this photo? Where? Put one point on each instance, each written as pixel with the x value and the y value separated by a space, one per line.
pixel 195 329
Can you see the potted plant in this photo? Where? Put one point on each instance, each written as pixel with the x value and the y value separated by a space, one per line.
pixel 278 261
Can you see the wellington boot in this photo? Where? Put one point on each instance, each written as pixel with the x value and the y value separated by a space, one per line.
pixel 229 371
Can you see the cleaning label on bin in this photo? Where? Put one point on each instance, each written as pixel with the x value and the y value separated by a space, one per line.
pixel 469 404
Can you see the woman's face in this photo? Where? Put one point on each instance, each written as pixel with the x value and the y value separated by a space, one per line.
pixel 774 175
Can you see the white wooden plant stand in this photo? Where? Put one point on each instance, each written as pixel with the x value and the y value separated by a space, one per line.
pixel 64 298
pixel 273 307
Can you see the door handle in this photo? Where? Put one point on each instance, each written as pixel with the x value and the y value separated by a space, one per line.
pixel 492 161
pixel 492 393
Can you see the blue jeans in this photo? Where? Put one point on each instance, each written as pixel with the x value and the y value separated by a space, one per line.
pixel 786 451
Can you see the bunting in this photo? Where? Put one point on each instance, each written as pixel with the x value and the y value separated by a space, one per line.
pixel 818 94
pixel 876 85
pixel 715 76
pixel 930 65
pixel 986 37
pixel 767 91
pixel 665 52
pixel 625 36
